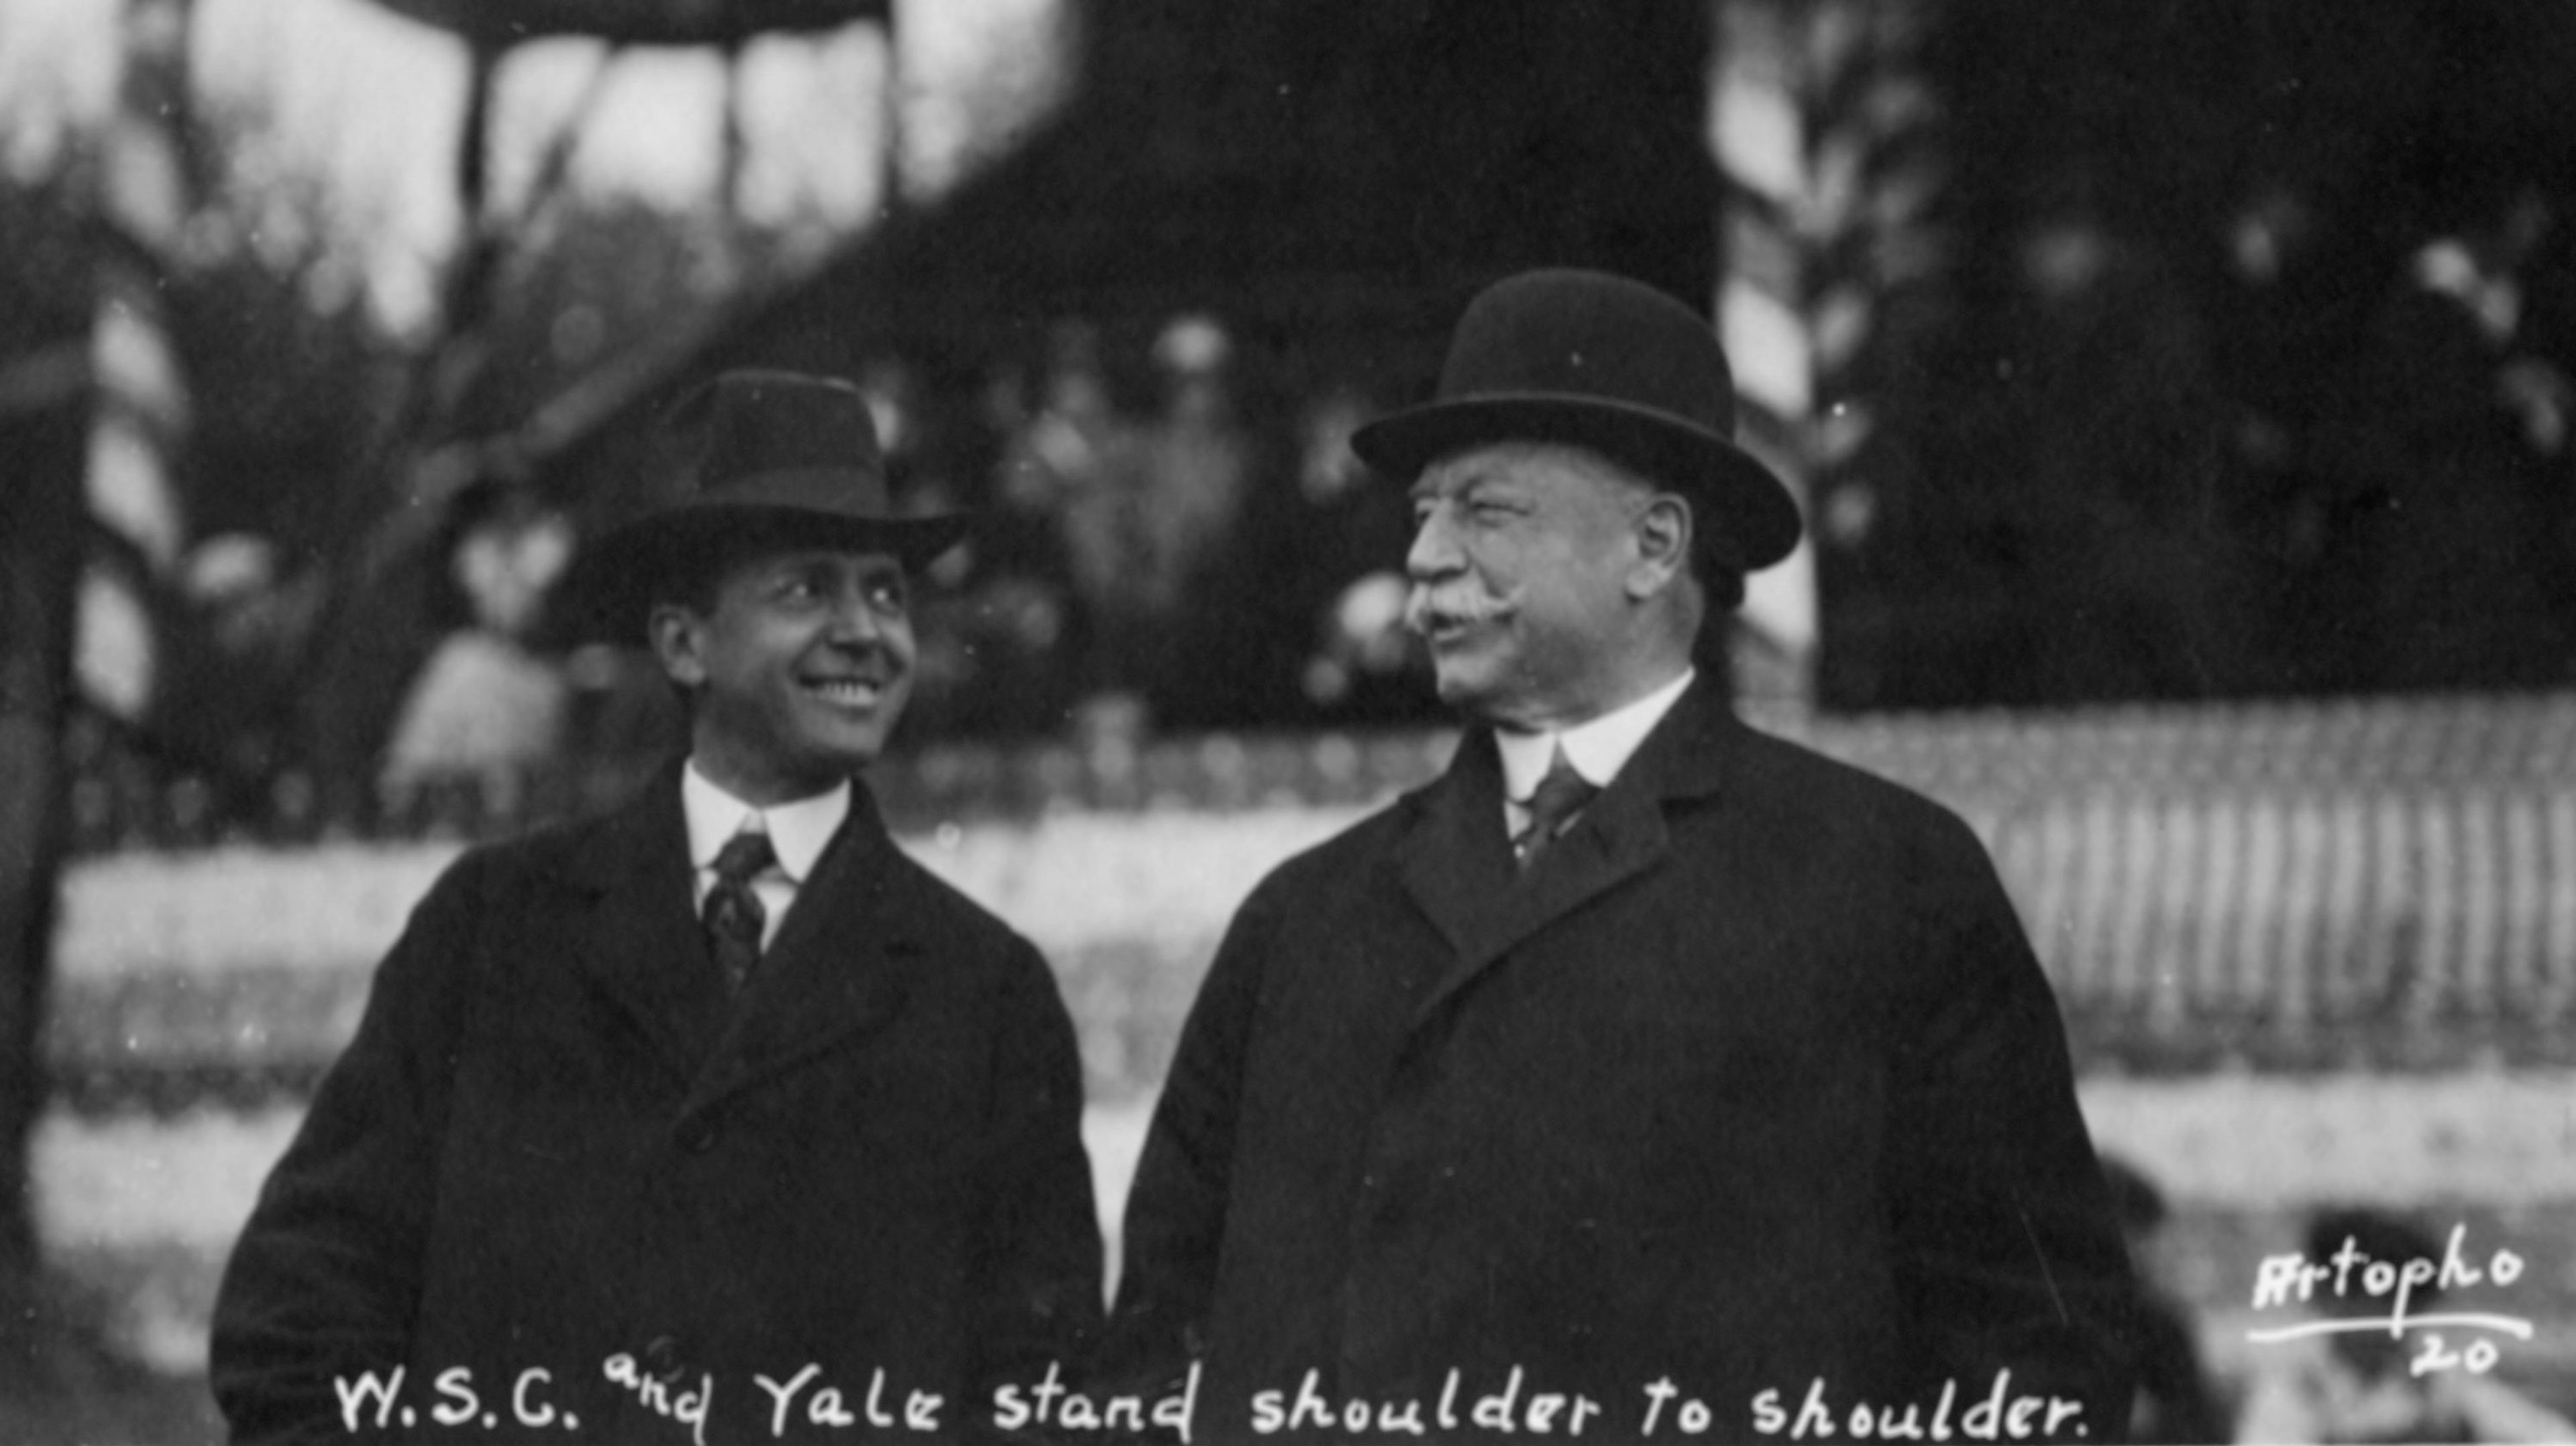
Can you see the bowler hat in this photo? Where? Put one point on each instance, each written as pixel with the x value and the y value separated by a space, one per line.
pixel 789 460
pixel 1608 363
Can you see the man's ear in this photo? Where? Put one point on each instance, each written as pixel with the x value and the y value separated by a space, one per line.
pixel 1663 530
pixel 677 641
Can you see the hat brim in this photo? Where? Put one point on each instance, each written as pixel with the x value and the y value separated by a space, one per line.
pixel 1754 505
pixel 613 585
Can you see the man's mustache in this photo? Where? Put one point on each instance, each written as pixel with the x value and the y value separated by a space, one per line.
pixel 1424 606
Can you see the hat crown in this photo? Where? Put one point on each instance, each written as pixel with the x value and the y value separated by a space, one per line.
pixel 764 427
pixel 1599 361
pixel 1586 334
pixel 783 460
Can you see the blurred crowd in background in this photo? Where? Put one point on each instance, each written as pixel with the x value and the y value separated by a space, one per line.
pixel 1146 558
pixel 2084 413
pixel 1157 555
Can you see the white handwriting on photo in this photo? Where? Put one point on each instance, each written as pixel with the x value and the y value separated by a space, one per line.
pixel 2352 1275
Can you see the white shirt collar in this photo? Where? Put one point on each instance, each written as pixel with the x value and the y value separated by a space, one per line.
pixel 798 832
pixel 1597 749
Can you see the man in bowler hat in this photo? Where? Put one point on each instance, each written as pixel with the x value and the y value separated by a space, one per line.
pixel 1643 1072
pixel 715 1119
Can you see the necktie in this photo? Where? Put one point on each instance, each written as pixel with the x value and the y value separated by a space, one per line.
pixel 1552 805
pixel 733 913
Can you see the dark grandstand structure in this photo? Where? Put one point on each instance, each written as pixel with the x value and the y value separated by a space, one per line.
pixel 2243 371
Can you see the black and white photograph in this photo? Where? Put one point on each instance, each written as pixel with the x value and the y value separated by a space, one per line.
pixel 1093 721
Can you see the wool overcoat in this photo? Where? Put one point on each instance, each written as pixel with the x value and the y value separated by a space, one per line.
pixel 572 1192
pixel 1753 1085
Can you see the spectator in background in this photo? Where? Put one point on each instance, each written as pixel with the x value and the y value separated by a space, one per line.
pixel 485 699
pixel 1080 461
pixel 2450 445
pixel 999 651
pixel 222 710
pixel 1351 537
pixel 2175 1405
pixel 1207 589
pixel 1197 468
pixel 2360 1384
pixel 969 658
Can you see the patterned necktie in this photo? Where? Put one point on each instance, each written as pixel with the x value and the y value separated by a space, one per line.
pixel 733 912
pixel 1552 805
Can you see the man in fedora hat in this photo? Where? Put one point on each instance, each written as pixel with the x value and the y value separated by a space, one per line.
pixel 1643 1074
pixel 716 1119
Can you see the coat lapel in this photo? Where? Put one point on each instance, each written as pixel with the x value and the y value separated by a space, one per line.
pixel 844 960
pixel 1455 860
pixel 1457 863
pixel 641 945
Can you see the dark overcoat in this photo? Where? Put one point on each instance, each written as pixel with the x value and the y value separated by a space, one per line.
pixel 556 1159
pixel 1753 1085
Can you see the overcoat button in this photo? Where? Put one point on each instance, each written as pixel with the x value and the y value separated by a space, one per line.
pixel 662 1358
pixel 698 1136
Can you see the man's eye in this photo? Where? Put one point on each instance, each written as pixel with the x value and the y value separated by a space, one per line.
pixel 886 594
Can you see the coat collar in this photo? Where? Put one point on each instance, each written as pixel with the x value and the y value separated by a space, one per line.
pixel 839 964
pixel 1457 865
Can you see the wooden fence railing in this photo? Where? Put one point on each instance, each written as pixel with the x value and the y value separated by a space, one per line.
pixel 2390 883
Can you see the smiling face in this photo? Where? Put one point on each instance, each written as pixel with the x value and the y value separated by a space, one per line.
pixel 797 666
pixel 1546 580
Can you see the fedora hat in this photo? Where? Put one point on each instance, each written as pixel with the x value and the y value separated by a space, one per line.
pixel 1603 362
pixel 787 460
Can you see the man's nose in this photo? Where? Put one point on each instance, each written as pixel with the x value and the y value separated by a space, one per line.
pixel 1434 553
pixel 854 618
